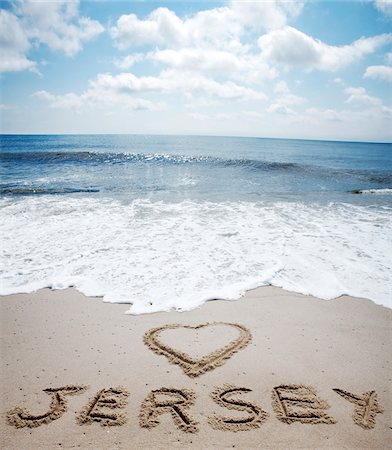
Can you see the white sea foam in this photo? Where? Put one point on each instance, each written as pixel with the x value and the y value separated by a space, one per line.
pixel 386 191
pixel 159 256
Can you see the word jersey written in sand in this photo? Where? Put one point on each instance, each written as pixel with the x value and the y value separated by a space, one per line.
pixel 291 403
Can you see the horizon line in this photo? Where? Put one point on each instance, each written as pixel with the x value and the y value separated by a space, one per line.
pixel 198 135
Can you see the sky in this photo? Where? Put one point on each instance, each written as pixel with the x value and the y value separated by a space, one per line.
pixel 283 69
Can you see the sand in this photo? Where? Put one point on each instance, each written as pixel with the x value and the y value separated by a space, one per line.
pixel 272 370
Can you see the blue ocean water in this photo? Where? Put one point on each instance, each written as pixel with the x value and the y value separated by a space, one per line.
pixel 263 211
pixel 184 167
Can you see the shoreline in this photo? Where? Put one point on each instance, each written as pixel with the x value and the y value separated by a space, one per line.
pixel 247 292
pixel 59 338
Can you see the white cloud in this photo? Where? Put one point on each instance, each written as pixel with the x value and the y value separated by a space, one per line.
pixel 215 62
pixel 253 115
pixel 199 116
pixel 94 96
pixel 327 114
pixel 380 72
pixel 385 6
pixel 377 113
pixel 280 108
pixel 291 99
pixel 220 27
pixel 293 48
pixel 4 107
pixel 366 123
pixel 366 109
pixel 204 51
pixel 57 24
pixel 207 60
pixel 265 15
pixel 387 111
pixel 161 26
pixel 128 61
pixel 359 96
pixel 172 81
pixel 210 53
pixel 247 115
pixel 67 101
pixel 339 81
pixel 284 100
pixel 13 44
pixel 281 87
pixel 122 88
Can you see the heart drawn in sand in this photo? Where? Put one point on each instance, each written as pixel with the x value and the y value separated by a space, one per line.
pixel 193 367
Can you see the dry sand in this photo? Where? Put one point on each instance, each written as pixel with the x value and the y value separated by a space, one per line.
pixel 292 372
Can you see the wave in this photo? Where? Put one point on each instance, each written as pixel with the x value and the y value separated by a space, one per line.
pixel 159 256
pixel 167 159
pixel 42 191
pixel 386 191
pixel 150 158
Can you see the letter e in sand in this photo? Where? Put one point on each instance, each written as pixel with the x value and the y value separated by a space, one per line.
pixel 299 403
pixel 101 408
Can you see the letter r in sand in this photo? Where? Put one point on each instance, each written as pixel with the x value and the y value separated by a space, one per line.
pixel 168 400
pixel 299 403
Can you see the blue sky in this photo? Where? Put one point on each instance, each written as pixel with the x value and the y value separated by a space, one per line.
pixel 300 69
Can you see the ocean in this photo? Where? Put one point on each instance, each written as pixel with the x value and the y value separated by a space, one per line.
pixel 169 222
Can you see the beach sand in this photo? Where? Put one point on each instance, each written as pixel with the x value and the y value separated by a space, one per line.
pixel 268 381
